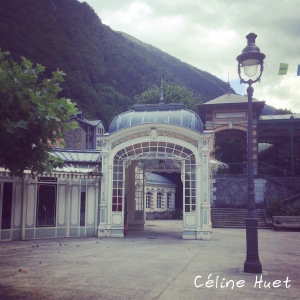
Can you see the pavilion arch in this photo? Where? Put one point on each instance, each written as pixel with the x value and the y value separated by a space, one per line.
pixel 147 134
pixel 129 153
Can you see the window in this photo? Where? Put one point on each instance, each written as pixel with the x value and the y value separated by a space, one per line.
pixel 117 200
pixel 82 209
pixel 117 197
pixel 173 151
pixel 159 198
pixel 46 205
pixel 100 130
pixel 139 187
pixel 82 202
pixel 190 186
pixel 169 200
pixel 148 199
pixel 6 205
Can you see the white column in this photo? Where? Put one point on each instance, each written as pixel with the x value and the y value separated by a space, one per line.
pixel 68 206
pixel 103 228
pixel 24 206
pixel 205 191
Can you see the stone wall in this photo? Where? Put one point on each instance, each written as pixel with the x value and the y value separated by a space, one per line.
pixel 75 139
pixel 231 191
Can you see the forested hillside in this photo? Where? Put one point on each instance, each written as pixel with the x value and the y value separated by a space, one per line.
pixel 105 69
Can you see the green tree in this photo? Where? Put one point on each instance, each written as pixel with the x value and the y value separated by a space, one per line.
pixel 282 111
pixel 32 116
pixel 172 93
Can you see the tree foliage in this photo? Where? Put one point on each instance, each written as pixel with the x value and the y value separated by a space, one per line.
pixel 282 111
pixel 172 93
pixel 32 117
pixel 100 64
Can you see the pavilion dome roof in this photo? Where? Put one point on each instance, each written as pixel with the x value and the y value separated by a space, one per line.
pixel 156 179
pixel 174 114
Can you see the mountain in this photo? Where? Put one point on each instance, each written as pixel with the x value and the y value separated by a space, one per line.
pixel 268 110
pixel 104 69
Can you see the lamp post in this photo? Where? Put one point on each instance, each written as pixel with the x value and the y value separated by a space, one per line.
pixel 161 164
pixel 249 60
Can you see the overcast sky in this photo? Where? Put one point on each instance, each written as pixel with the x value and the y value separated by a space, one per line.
pixel 209 34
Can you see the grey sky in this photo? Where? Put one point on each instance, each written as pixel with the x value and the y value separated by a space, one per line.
pixel 210 34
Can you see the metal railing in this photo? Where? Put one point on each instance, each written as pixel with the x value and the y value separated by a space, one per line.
pixel 263 169
pixel 277 171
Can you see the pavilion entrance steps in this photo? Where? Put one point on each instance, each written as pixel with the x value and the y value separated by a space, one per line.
pixel 234 218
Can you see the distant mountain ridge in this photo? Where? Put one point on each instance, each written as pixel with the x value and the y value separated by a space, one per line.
pixel 105 69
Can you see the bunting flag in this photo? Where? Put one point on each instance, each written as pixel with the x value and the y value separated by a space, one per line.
pixel 283 68
pixel 298 71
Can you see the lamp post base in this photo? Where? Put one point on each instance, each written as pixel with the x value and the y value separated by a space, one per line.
pixel 252 263
pixel 253 267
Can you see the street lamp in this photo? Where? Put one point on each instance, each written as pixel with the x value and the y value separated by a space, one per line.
pixel 161 164
pixel 250 59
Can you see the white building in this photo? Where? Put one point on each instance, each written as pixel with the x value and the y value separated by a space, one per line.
pixel 61 204
pixel 159 197
pixel 101 193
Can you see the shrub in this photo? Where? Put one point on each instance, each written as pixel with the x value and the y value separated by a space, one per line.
pixel 278 208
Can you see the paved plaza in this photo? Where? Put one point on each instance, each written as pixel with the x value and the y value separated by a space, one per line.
pixel 154 264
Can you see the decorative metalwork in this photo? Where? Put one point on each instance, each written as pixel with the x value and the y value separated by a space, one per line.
pixel 178 136
pixel 103 197
pixel 127 163
pixel 251 57
pixel 128 138
pixel 177 163
pixel 153 133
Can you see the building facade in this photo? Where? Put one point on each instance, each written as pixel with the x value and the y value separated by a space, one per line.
pixel 106 191
pixel 86 135
pixel 276 138
pixel 144 136
pixel 275 142
pixel 159 197
pixel 61 204
pixel 101 192
pixel 227 117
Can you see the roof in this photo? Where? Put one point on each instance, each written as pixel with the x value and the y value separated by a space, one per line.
pixel 82 163
pixel 81 119
pixel 92 123
pixel 78 161
pixel 153 178
pixel 80 156
pixel 174 114
pixel 227 102
pixel 230 98
pixel 279 117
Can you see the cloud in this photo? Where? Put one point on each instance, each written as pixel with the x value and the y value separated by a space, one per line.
pixel 210 34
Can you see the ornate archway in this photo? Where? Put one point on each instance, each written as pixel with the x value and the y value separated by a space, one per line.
pixel 124 154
